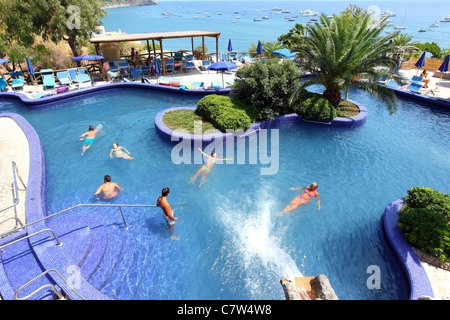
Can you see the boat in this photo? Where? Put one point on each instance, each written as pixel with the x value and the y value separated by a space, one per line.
pixel 219 13
pixel 422 30
pixel 388 13
pixel 265 17
pixel 257 19
pixel 276 9
pixel 285 11
pixel 399 27
pixel 291 19
pixel 445 19
pixel 287 17
pixel 390 24
pixel 238 17
pixel 308 13
pixel 435 25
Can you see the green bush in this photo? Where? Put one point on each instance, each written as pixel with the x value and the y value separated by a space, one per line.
pixel 316 107
pixel 427 230
pixel 422 197
pixel 223 112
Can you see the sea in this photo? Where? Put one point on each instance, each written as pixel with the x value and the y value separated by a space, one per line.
pixel 235 20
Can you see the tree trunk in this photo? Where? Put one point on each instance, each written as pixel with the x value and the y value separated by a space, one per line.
pixel 334 96
pixel 73 46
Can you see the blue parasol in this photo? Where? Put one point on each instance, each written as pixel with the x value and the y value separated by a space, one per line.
pixel 156 68
pixel 87 57
pixel 29 65
pixel 2 61
pixel 230 47
pixel 443 68
pixel 421 62
pixel 259 48
pixel 284 53
pixel 222 66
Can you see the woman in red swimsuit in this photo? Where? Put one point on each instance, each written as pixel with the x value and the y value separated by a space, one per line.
pixel 304 197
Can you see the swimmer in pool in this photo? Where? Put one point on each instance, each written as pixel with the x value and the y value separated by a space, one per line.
pixel 119 153
pixel 88 138
pixel 167 211
pixel 206 167
pixel 107 189
pixel 309 193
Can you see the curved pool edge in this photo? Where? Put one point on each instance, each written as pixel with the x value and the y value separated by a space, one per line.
pixel 117 85
pixel 50 257
pixel 419 283
pixel 173 135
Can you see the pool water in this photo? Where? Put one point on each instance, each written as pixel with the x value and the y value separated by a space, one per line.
pixel 232 241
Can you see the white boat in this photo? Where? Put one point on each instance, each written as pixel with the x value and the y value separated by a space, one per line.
pixel 238 17
pixel 276 9
pixel 291 19
pixel 435 25
pixel 285 11
pixel 308 13
pixel 399 27
pixel 422 30
pixel 390 24
pixel 219 13
pixel 257 19
pixel 265 17
pixel 388 13
pixel 287 17
pixel 445 19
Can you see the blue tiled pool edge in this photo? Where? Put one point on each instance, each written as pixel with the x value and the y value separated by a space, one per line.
pixel 419 284
pixel 50 257
pixel 172 135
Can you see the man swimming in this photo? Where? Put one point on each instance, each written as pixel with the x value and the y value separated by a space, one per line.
pixel 119 153
pixel 206 167
pixel 89 138
pixel 309 193
pixel 107 189
pixel 167 211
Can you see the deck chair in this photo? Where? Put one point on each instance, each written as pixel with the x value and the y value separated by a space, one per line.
pixel 113 75
pixel 189 57
pixel 146 70
pixel 392 84
pixel 48 81
pixel 416 79
pixel 414 87
pixel 79 78
pixel 216 84
pixel 205 64
pixel 178 57
pixel 170 66
pixel 197 85
pixel 2 84
pixel 136 72
pixel 63 78
pixel 17 83
pixel 189 65
pixel 112 66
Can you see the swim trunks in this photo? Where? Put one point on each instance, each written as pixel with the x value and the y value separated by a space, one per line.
pixel 88 141
pixel 169 221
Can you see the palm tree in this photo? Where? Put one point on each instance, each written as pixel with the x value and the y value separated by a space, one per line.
pixel 269 47
pixel 346 52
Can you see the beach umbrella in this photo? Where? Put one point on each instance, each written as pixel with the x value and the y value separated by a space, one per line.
pixel 156 68
pixel 30 67
pixel 2 61
pixel 222 66
pixel 443 68
pixel 87 57
pixel 259 49
pixel 421 62
pixel 286 53
pixel 230 47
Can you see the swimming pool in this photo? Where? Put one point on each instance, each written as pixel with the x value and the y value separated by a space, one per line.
pixel 233 244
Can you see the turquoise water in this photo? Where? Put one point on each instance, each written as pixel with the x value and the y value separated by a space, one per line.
pixel 233 244
pixel 412 14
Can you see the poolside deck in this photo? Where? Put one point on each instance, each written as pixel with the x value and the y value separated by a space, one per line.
pixel 444 87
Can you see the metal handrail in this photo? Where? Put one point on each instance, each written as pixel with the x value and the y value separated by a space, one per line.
pixel 16 294
pixel 16 188
pixel 82 205
pixel 33 234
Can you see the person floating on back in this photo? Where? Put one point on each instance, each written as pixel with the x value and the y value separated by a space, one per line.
pixel 304 197
pixel 89 138
pixel 119 153
pixel 206 167
pixel 167 211
pixel 108 189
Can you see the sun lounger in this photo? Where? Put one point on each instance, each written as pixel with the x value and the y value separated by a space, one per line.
pixel 48 81
pixel 205 64
pixel 189 65
pixel 78 78
pixel 414 87
pixel 416 79
pixel 178 57
pixel 146 71
pixel 17 83
pixel 2 84
pixel 189 57
pixel 216 84
pixel 198 85
pixel 63 78
pixel 393 84
pixel 136 73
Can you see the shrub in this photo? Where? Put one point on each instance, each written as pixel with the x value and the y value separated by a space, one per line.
pixel 422 197
pixel 223 112
pixel 313 106
pixel 427 230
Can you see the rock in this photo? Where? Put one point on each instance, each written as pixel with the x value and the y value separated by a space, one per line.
pixel 308 288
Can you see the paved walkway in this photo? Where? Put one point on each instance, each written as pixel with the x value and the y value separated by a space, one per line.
pixel 440 281
pixel 13 147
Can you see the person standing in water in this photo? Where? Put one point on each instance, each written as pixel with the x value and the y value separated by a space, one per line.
pixel 89 138
pixel 309 193
pixel 119 153
pixel 108 189
pixel 206 167
pixel 167 211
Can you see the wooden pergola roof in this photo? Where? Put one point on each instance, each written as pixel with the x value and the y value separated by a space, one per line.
pixel 160 36
pixel 154 36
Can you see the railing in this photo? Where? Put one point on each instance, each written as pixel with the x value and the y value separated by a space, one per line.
pixel 58 295
pixel 15 192
pixel 31 235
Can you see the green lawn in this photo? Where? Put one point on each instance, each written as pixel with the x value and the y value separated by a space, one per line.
pixel 186 119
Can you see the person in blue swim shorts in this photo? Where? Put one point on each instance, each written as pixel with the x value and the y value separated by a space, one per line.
pixel 88 138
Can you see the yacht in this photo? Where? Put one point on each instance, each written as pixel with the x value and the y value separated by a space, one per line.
pixel 265 17
pixel 219 13
pixel 308 13
pixel 435 25
pixel 399 27
pixel 257 19
pixel 445 19
pixel 276 9
pixel 285 11
pixel 422 30
pixel 388 13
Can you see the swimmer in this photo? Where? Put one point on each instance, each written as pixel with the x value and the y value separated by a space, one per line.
pixel 167 211
pixel 119 153
pixel 304 197
pixel 108 189
pixel 88 138
pixel 206 167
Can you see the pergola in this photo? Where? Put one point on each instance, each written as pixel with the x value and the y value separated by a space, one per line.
pixel 158 37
